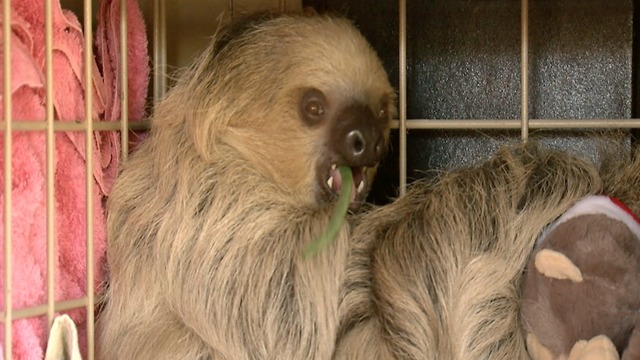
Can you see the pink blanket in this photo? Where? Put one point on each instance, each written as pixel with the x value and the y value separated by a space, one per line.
pixel 29 151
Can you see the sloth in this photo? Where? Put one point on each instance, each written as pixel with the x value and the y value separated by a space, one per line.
pixel 208 218
pixel 441 267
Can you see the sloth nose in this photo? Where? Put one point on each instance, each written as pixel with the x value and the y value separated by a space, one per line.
pixel 356 143
pixel 359 139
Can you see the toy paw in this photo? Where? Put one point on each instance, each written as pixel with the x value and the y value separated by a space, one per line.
pixel 598 348
pixel 632 352
pixel 556 265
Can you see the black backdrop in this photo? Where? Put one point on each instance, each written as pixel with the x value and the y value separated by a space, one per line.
pixel 463 62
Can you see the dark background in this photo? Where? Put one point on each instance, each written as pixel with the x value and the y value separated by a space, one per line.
pixel 463 62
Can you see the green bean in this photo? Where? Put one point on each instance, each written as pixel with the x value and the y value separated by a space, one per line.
pixel 337 218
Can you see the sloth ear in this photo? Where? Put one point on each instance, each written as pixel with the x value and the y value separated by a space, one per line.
pixel 206 112
pixel 204 125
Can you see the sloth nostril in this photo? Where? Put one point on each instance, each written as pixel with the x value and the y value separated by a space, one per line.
pixel 356 142
pixel 358 146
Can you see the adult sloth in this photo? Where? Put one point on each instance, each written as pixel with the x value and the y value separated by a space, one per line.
pixel 208 219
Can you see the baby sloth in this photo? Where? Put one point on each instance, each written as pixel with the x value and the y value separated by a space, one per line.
pixel 208 218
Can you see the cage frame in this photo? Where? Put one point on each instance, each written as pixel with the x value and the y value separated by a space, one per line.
pixel 87 125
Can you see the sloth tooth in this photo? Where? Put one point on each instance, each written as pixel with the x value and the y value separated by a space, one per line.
pixel 334 166
pixel 330 182
pixel 361 186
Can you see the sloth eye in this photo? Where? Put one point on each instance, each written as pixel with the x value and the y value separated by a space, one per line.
pixel 313 107
pixel 382 113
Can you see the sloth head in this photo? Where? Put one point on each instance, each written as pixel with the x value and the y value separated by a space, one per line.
pixel 297 96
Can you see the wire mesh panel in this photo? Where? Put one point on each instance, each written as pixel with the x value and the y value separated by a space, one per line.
pixel 457 65
pixel 43 43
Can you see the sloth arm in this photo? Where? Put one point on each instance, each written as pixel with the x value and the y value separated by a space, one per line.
pixel 240 281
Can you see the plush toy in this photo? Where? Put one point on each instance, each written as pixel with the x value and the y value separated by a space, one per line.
pixel 581 290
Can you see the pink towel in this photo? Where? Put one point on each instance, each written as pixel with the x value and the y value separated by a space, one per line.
pixel 29 166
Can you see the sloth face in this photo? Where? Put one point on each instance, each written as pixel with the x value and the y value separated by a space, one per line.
pixel 297 97
pixel 355 134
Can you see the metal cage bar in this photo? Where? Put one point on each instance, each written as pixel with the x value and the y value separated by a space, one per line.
pixel 27 125
pixel 524 61
pixel 499 124
pixel 40 310
pixel 50 171
pixel 124 81
pixel 88 107
pixel 6 87
pixel 410 124
pixel 159 50
pixel 402 123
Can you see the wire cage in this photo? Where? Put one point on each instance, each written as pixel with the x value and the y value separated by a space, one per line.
pixel 400 66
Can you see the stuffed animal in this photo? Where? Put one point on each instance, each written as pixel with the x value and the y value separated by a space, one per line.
pixel 581 289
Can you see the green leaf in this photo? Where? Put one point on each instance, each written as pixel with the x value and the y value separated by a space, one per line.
pixel 337 218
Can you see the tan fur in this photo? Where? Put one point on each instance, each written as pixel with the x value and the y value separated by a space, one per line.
pixel 208 218
pixel 446 260
pixel 621 176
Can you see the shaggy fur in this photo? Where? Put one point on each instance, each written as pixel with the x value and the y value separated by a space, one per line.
pixel 621 177
pixel 443 264
pixel 208 218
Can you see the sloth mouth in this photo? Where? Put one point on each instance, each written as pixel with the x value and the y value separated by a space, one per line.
pixel 333 184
